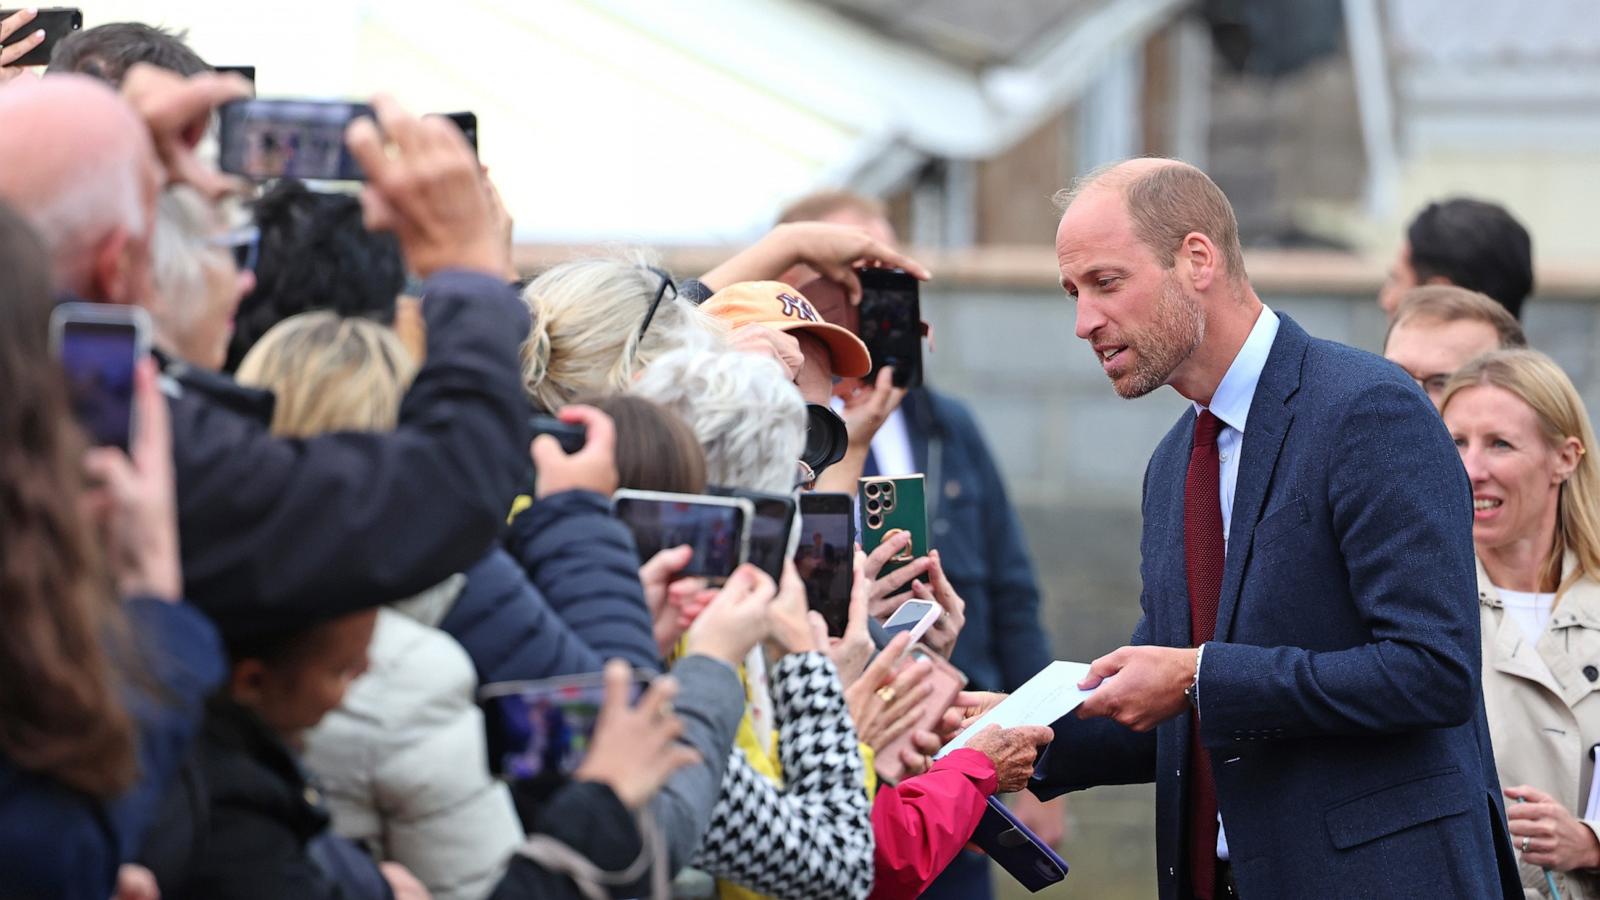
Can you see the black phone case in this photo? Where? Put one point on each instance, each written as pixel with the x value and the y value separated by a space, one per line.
pixel 57 24
pixel 891 323
pixel 1018 850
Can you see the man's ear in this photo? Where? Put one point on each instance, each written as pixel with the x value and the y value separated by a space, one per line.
pixel 247 683
pixel 111 275
pixel 1202 259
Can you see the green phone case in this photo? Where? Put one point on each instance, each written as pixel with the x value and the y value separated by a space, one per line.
pixel 891 504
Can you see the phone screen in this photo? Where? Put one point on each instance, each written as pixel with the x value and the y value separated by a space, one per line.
pixel 825 555
pixel 299 138
pixel 713 530
pixel 891 324
pixel 98 358
pixel 545 729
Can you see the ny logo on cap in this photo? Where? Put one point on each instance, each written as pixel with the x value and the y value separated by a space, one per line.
pixel 797 307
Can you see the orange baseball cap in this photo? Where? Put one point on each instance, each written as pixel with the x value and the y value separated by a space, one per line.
pixel 782 308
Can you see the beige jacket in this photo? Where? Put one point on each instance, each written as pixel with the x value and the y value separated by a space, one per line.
pixel 1543 703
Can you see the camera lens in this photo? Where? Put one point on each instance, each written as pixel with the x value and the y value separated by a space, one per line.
pixel 874 521
pixel 873 489
pixel 873 506
pixel 888 501
pixel 826 437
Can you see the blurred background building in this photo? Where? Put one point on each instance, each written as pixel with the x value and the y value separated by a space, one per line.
pixel 687 125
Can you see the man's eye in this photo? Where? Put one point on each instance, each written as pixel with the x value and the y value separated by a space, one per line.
pixel 1106 283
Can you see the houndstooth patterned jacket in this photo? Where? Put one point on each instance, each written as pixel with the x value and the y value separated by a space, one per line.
pixel 811 838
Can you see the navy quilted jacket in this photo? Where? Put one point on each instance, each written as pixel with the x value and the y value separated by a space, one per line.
pixel 562 596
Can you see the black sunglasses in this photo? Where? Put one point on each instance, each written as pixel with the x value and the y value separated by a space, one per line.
pixel 666 284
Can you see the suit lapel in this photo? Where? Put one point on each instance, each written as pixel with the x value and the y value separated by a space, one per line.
pixel 1263 442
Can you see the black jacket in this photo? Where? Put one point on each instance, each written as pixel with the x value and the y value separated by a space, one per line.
pixel 562 597
pixel 587 817
pixel 278 533
pixel 981 542
pixel 246 825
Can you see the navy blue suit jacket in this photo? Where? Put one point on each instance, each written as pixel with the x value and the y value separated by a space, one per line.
pixel 1340 701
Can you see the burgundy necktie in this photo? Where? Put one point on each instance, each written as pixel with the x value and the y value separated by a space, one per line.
pixel 1203 556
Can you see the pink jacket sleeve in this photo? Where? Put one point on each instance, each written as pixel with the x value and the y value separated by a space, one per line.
pixel 923 822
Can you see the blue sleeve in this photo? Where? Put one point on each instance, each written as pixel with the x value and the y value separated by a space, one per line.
pixel 585 564
pixel 273 529
pixel 510 630
pixel 1400 510
pixel 1021 645
pixel 180 652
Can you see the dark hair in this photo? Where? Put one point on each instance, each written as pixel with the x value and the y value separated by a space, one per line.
pixel 1475 245
pixel 656 449
pixel 60 711
pixel 315 254
pixel 108 51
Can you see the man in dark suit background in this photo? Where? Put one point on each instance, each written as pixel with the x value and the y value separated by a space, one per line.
pixel 1307 661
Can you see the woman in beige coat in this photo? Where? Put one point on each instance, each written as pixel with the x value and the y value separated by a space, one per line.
pixel 1524 438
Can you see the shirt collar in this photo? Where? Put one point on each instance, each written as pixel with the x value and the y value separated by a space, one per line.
pixel 1231 401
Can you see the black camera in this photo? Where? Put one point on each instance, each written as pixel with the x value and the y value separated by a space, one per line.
pixel 826 438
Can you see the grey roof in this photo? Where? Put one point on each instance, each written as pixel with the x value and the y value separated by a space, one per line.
pixel 969 32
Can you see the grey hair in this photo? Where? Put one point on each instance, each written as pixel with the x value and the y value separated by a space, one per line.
pixel 96 202
pixel 185 226
pixel 748 416
pixel 585 338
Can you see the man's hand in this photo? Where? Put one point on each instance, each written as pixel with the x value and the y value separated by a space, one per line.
pixel 593 468
pixel 425 185
pixel 1149 687
pixel 830 250
pixel 177 110
pixel 1013 752
pixel 1547 834
pixel 867 409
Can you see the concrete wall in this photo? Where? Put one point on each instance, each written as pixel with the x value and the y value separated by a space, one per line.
pixel 1073 455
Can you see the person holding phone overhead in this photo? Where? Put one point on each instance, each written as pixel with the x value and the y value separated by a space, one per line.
pixel 1303 685
pixel 1525 438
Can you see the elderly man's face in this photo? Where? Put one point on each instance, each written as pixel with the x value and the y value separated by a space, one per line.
pixel 815 379
pixel 1140 322
pixel 1431 351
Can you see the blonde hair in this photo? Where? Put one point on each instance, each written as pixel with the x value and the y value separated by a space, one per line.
pixel 1536 380
pixel 330 373
pixel 585 338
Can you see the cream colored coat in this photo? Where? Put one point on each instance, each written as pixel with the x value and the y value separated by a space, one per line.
pixel 1543 703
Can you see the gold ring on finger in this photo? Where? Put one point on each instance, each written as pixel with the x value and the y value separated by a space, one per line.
pixel 886 693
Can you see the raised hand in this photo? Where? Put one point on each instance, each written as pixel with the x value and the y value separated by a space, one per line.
pixel 635 748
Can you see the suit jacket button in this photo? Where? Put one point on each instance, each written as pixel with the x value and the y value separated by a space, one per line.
pixel 1591 673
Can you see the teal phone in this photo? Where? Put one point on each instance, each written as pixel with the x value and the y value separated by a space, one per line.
pixel 890 505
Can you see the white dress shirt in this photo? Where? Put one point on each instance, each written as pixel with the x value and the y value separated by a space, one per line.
pixel 1231 404
pixel 891 446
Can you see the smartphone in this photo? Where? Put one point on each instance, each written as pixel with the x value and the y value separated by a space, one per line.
pixel 98 345
pixel 890 505
pixel 915 616
pixel 571 436
pixel 825 555
pixel 543 729
pixel 718 528
pixel 248 72
pixel 947 681
pixel 263 139
pixel 57 22
pixel 891 323
pixel 772 531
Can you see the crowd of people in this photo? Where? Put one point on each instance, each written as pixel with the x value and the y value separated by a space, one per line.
pixel 245 655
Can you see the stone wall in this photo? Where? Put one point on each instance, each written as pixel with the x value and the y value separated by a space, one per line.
pixel 1073 455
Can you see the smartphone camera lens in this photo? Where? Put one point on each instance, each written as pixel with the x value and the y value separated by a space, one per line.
pixel 874 489
pixel 874 521
pixel 873 506
pixel 888 501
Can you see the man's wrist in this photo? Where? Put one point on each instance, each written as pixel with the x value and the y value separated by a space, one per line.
pixel 1192 692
